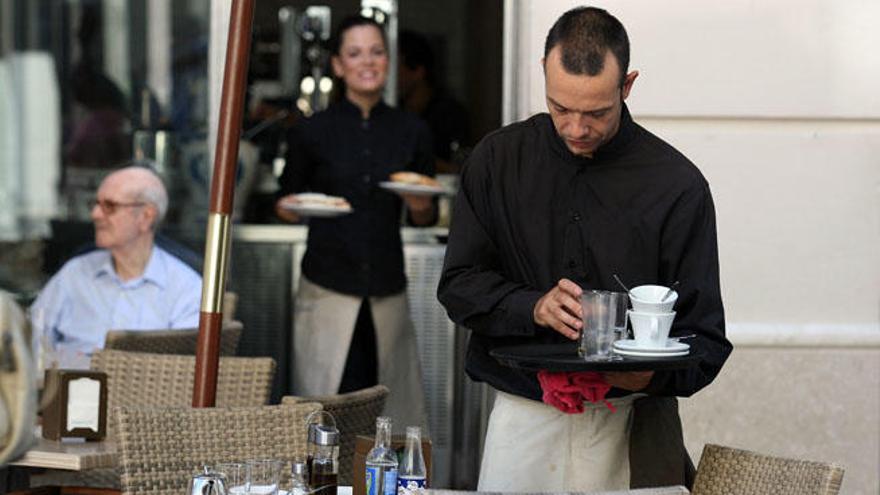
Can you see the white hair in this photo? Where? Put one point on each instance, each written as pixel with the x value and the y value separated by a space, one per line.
pixel 151 191
pixel 155 194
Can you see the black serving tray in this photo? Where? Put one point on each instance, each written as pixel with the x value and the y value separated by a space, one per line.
pixel 564 357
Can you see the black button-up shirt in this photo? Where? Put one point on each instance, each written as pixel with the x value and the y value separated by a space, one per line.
pixel 529 212
pixel 338 152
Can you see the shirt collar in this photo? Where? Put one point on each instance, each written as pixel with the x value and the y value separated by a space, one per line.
pixel 347 107
pixel 154 272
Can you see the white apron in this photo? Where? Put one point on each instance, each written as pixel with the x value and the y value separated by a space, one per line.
pixel 323 327
pixel 533 447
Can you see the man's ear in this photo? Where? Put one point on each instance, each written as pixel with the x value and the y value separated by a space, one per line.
pixel 628 83
pixel 150 213
pixel 544 65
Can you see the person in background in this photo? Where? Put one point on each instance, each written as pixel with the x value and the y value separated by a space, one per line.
pixel 352 327
pixel 127 283
pixel 558 204
pixel 421 95
pixel 100 135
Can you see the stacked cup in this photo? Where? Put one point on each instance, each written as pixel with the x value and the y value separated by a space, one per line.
pixel 652 315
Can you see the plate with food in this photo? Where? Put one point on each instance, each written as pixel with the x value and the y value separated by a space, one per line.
pixel 317 205
pixel 413 183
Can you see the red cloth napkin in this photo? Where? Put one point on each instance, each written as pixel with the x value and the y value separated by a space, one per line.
pixel 567 391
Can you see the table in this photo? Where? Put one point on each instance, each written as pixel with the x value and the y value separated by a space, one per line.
pixel 69 455
pixel 668 490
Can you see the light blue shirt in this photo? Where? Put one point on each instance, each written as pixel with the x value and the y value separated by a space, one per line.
pixel 86 298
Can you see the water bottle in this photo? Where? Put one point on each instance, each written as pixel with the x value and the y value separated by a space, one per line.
pixel 411 478
pixel 381 462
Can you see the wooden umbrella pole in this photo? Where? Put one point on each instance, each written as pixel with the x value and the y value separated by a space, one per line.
pixel 218 236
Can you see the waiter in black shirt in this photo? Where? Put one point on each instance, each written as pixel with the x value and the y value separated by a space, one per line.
pixel 560 203
pixel 352 327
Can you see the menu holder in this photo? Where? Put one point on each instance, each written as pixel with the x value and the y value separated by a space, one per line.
pixel 362 446
pixel 77 406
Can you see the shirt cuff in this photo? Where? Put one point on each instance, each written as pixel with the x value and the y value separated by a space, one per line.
pixel 521 312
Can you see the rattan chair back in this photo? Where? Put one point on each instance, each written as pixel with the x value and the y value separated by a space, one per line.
pixel 182 341
pixel 725 470
pixel 355 414
pixel 138 379
pixel 160 449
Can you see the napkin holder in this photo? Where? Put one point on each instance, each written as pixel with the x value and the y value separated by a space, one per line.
pixel 77 404
pixel 362 446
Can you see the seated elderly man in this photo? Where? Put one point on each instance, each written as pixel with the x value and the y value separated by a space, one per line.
pixel 129 283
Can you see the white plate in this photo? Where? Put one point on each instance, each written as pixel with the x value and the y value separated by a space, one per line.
pixel 323 211
pixel 672 346
pixel 417 189
pixel 649 353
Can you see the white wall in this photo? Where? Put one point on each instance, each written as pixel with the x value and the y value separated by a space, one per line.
pixel 777 103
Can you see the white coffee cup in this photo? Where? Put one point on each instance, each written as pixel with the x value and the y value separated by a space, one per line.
pixel 651 330
pixel 649 299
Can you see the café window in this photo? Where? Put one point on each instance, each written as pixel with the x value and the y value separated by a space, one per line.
pixel 89 85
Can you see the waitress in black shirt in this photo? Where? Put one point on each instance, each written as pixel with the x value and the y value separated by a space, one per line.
pixel 352 327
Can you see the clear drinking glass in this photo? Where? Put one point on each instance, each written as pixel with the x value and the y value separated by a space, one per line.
pixel 235 474
pixel 604 322
pixel 263 476
pixel 620 303
pixel 40 341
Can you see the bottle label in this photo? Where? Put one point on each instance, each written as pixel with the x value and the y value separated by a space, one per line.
pixel 411 486
pixel 372 480
pixel 390 482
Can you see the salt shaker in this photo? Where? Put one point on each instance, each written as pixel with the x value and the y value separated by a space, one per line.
pixel 299 479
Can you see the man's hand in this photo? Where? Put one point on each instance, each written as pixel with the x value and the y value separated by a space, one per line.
pixel 560 309
pixel 284 213
pixel 421 208
pixel 628 380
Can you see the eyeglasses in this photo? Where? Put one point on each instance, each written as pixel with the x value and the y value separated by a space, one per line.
pixel 108 206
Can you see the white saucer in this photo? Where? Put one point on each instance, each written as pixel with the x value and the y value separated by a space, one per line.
pixel 416 189
pixel 650 353
pixel 672 346
pixel 312 210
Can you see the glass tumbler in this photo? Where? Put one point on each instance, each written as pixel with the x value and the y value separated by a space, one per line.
pixel 235 474
pixel 604 322
pixel 263 476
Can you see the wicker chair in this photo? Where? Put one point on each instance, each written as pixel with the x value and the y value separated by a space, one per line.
pixel 725 470
pixel 162 380
pixel 355 414
pixel 139 379
pixel 162 448
pixel 181 341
